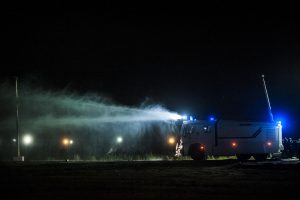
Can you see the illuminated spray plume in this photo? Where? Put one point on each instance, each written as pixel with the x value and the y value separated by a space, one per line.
pixel 46 109
pixel 49 113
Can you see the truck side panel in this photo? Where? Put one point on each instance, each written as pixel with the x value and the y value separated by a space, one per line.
pixel 229 138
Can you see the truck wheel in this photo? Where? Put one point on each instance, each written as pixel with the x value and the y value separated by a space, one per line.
pixel 198 156
pixel 243 157
pixel 196 152
pixel 260 157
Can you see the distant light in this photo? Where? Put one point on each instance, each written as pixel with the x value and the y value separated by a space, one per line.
pixel 269 144
pixel 65 141
pixel 171 140
pixel 27 139
pixel 212 119
pixel 191 118
pixel 119 139
pixel 14 140
pixel 184 117
pixel 233 144
pixel 202 148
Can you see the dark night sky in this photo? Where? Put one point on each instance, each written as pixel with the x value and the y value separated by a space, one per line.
pixel 192 59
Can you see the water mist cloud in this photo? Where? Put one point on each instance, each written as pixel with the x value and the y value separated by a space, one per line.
pixel 91 119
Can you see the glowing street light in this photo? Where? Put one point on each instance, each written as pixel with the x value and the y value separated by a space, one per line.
pixel 27 139
pixel 67 141
pixel 119 139
pixel 171 140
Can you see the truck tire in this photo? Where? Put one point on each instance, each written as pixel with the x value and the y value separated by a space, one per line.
pixel 260 157
pixel 198 156
pixel 243 157
pixel 196 153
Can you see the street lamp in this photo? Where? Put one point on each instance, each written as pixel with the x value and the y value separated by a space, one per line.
pixel 67 143
pixel 119 140
pixel 18 157
pixel 27 139
pixel 171 140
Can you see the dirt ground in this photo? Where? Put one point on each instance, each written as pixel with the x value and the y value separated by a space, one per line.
pixel 222 179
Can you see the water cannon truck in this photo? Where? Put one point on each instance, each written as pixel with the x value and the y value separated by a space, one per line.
pixel 243 139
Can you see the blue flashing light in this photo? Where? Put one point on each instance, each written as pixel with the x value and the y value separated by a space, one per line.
pixel 191 118
pixel 212 119
pixel 279 123
pixel 184 117
pixel 285 121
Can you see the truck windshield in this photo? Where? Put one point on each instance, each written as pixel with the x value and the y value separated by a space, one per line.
pixel 195 129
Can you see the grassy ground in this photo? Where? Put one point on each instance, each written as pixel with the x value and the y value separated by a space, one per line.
pixel 138 157
pixel 213 179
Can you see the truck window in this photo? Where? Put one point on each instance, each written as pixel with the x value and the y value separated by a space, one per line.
pixel 188 130
pixel 200 129
pixel 195 130
pixel 206 129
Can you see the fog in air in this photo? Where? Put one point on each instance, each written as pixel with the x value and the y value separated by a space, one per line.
pixel 92 121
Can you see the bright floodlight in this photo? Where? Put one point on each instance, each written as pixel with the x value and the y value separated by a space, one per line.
pixel 184 117
pixel 175 116
pixel 119 139
pixel 27 139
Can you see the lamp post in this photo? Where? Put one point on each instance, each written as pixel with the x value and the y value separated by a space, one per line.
pixel 27 141
pixel 18 157
pixel 67 143
pixel 17 116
